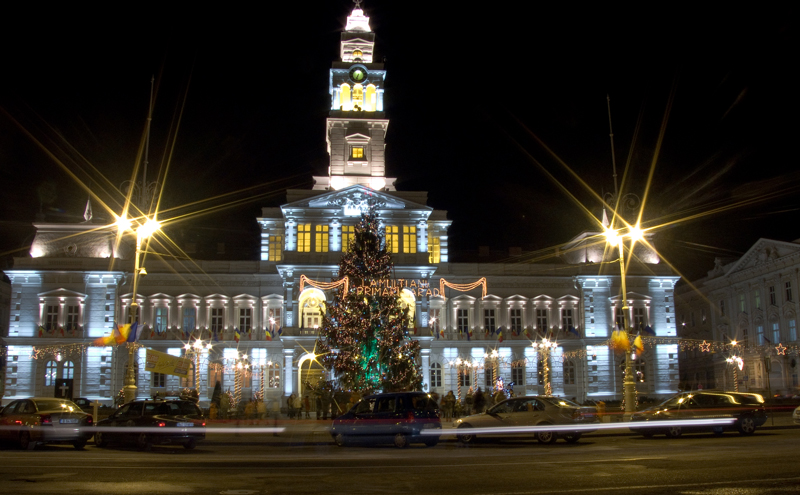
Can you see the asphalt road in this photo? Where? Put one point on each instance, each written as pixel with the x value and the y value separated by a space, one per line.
pixel 764 463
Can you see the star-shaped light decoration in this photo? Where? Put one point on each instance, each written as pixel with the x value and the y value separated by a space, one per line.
pixel 705 346
pixel 781 350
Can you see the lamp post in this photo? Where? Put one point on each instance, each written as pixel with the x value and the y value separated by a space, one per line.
pixel 544 348
pixel 195 350
pixel 613 238
pixel 143 232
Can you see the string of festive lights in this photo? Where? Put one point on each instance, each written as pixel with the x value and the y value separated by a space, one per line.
pixel 344 281
pixel 463 287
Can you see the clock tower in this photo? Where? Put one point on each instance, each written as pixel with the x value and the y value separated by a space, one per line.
pixel 357 124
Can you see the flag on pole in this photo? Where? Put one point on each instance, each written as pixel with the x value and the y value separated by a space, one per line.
pixel 236 335
pixel 649 330
pixel 132 331
pixel 574 331
pixel 500 335
pixel 267 334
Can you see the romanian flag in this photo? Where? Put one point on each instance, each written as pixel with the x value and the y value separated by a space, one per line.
pixel 236 335
pixel 528 332
pixel 118 335
pixel 638 345
pixel 132 331
pixel 574 331
pixel 267 334
pixel 41 331
pixel 469 334
pixel 441 333
pixel 280 331
pixel 500 335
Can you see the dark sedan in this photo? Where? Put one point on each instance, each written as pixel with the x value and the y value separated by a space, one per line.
pixel 149 422
pixel 702 411
pixel 29 422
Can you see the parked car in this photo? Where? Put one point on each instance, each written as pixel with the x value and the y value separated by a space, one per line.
pixel 148 422
pixel 747 411
pixel 529 411
pixel 40 420
pixel 397 417
pixel 796 416
pixel 84 404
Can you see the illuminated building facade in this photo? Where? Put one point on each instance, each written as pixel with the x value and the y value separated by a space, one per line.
pixel 752 301
pixel 77 284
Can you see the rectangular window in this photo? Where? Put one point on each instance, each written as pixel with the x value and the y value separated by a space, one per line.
pixel 518 375
pixel 357 152
pixel 691 318
pixel 434 320
pixel 160 322
pixel 245 319
pixel 274 315
pixel 776 332
pixel 788 288
pixel 488 320
pixel 51 317
pixel 619 319
pixel 189 315
pixel 541 319
pixel 409 239
pixel 321 238
pixel 757 297
pixel 462 320
pixel 433 250
pixel 722 308
pixel 348 237
pixel 569 373
pixel 742 304
pixel 392 239
pixel 772 298
pixel 159 380
pixel 638 318
pixel 759 334
pixel 275 248
pixel 436 375
pixel 216 319
pixel 792 330
pixel 304 238
pixel 464 377
pixel 745 337
pixel 73 313
pixel 488 383
pixel 566 319
pixel 516 320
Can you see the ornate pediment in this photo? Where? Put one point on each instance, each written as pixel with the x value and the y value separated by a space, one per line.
pixel 764 253
pixel 355 200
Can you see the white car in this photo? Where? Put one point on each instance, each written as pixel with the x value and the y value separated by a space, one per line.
pixel 796 416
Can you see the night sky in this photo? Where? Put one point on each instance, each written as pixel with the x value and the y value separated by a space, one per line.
pixel 475 96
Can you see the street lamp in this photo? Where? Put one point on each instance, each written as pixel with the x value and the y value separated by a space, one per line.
pixel 143 231
pixel 614 238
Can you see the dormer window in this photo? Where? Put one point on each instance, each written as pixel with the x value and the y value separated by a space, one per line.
pixel 357 55
pixel 357 153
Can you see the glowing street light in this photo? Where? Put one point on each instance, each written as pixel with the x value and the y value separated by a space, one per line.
pixel 616 238
pixel 142 231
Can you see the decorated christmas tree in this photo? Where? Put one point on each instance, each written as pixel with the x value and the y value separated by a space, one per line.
pixel 365 334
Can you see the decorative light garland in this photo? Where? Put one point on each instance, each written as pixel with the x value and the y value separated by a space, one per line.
pixel 462 287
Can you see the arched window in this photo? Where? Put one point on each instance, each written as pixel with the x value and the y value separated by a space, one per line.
pixel 436 375
pixel 370 99
pixel 344 100
pixel 358 97
pixel 68 370
pixel 50 373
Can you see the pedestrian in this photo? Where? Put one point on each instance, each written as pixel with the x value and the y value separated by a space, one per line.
pixel 468 401
pixel 290 405
pixel 448 405
pixel 318 404
pixel 307 406
pixel 479 401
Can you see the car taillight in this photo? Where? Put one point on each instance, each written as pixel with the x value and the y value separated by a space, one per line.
pixel 203 423
pixel 89 419
pixel 161 423
pixel 47 420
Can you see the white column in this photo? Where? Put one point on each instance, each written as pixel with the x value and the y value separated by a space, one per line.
pixel 426 369
pixel 288 358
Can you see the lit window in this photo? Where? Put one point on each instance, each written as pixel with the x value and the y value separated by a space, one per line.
pixel 434 250
pixel 321 238
pixel 275 248
pixel 569 373
pixel 357 53
pixel 462 320
pixel 50 373
pixel 409 239
pixel 358 97
pixel 436 375
pixel 304 238
pixel 348 236
pixel 792 330
pixel 357 152
pixel 392 239
pixel 68 370
pixel 189 319
pixel 516 320
pixel 488 320
pixel 776 332
pixel 518 375
pixel 566 319
pixel 160 323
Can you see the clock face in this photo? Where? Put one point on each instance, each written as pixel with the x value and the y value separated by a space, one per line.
pixel 358 74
